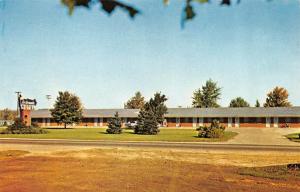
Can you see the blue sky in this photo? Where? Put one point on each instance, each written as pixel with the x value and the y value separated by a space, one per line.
pixel 248 49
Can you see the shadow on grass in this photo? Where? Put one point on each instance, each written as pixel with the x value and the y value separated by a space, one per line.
pixel 295 137
pixel 282 172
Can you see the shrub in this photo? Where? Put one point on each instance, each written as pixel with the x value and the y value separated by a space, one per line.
pixel 114 125
pixel 215 130
pixel 18 127
pixel 5 124
pixel 35 125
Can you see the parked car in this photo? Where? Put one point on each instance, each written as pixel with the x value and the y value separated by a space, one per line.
pixel 131 125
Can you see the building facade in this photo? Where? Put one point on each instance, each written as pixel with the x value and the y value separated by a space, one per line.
pixel 189 117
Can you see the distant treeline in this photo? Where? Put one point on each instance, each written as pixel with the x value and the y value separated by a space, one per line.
pixel 7 114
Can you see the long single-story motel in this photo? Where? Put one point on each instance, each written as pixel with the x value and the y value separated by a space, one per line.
pixel 189 117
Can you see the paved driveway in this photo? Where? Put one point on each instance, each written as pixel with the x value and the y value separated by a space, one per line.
pixel 263 136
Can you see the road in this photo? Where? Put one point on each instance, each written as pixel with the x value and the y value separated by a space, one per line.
pixel 168 145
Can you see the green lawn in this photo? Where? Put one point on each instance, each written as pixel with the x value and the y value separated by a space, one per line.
pixel 293 137
pixel 180 135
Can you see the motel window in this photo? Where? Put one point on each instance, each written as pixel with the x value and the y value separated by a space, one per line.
pixel 37 120
pixel 186 120
pixel 281 120
pixel 171 120
pixel 131 119
pixel 224 120
pixel 252 120
pixel 294 120
pixel 207 120
pixel 242 120
pixel 258 120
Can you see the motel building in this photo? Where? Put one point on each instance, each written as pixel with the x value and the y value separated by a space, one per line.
pixel 260 117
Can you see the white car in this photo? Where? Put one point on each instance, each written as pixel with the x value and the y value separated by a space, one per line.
pixel 131 124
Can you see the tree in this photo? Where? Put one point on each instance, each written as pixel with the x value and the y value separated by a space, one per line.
pixel 188 12
pixel 238 102
pixel 278 97
pixel 67 109
pixel 257 104
pixel 7 114
pixel 114 125
pixel 107 5
pixel 135 102
pixel 151 115
pixel 207 96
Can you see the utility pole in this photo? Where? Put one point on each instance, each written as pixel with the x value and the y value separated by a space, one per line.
pixel 18 96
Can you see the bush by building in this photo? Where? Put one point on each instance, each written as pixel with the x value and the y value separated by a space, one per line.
pixel 215 130
pixel 18 127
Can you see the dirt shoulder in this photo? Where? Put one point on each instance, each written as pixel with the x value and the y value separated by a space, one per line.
pixel 122 169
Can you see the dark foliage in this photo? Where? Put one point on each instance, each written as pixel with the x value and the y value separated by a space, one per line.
pixel 188 12
pixel 107 5
pixel 151 115
pixel 114 125
pixel 215 130
pixel 239 102
pixel 18 127
pixel 147 124
pixel 257 104
pixel 294 166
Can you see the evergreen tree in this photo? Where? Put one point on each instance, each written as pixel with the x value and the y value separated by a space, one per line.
pixel 207 96
pixel 278 97
pixel 114 125
pixel 257 104
pixel 151 115
pixel 239 102
pixel 67 109
pixel 135 102
pixel 147 124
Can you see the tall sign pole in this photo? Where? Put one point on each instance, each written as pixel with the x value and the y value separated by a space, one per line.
pixel 18 103
pixel 25 106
